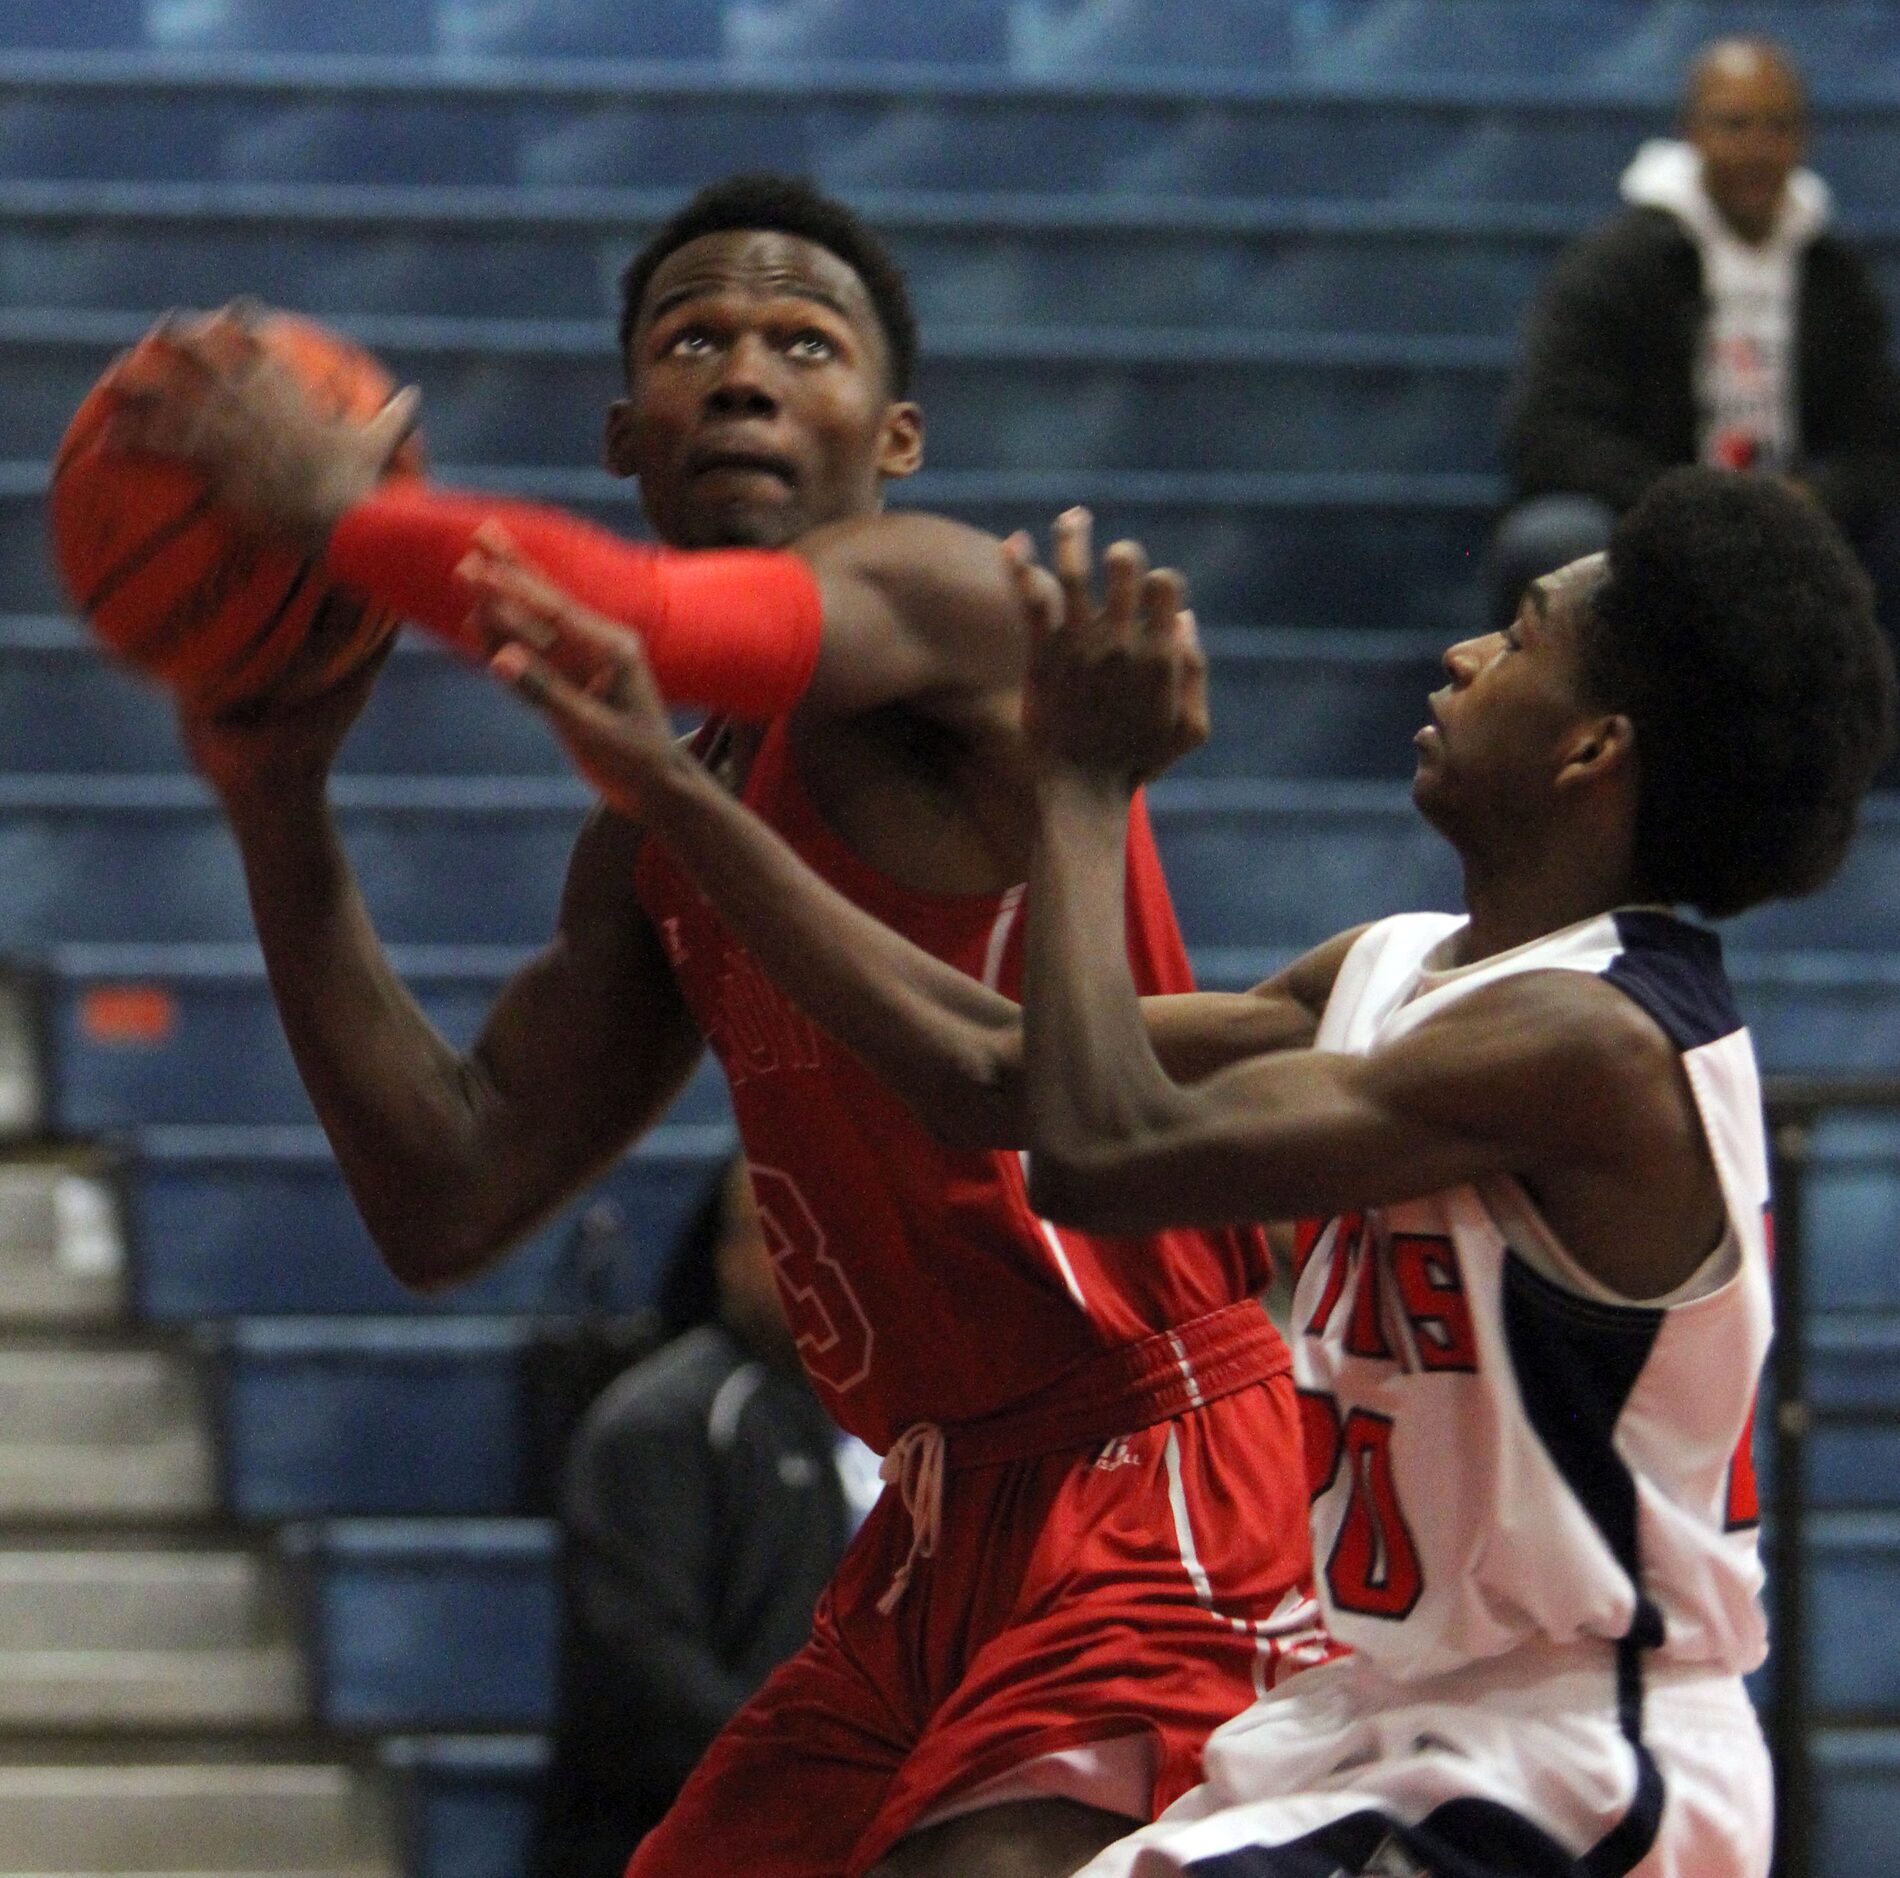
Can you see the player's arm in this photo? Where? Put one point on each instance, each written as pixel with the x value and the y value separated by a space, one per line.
pixel 1555 1077
pixel 863 613
pixel 951 1047
pixel 449 1155
pixel 1539 1071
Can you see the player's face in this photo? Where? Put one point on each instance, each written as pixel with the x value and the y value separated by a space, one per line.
pixel 1748 120
pixel 1512 712
pixel 757 399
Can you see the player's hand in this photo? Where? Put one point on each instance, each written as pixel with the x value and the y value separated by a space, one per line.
pixel 1117 687
pixel 588 676
pixel 208 392
pixel 265 752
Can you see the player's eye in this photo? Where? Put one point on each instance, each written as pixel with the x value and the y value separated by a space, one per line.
pixel 690 342
pixel 811 344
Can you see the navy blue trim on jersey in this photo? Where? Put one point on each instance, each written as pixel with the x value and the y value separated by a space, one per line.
pixel 1675 972
pixel 1627 1843
pixel 1575 1361
pixel 1464 1838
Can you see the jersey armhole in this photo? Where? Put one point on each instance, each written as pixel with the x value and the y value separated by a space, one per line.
pixel 1528 1234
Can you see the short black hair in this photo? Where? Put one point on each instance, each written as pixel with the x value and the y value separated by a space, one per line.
pixel 786 205
pixel 1736 631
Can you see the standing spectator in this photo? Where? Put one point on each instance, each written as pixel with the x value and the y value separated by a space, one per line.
pixel 708 1498
pixel 1717 320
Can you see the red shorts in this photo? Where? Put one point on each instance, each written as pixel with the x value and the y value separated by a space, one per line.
pixel 1153 1584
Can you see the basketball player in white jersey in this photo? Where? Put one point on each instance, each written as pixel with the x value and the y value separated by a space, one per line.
pixel 1529 1331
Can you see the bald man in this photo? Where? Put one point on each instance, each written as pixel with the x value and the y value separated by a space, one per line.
pixel 1718 320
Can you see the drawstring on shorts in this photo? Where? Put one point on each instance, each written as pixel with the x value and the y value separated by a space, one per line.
pixel 915 1464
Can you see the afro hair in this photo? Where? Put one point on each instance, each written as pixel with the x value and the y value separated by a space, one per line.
pixel 1735 629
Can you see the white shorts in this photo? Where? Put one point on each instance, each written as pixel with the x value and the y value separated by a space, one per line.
pixel 1498 1772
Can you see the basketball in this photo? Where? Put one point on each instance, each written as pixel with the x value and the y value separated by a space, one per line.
pixel 180 589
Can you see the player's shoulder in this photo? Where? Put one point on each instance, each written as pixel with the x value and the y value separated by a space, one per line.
pixel 1607 1002
pixel 1673 970
pixel 1556 1063
pixel 1632 975
pixel 898 538
pixel 1561 1014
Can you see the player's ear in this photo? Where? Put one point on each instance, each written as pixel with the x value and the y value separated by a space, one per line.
pixel 900 447
pixel 617 442
pixel 1596 749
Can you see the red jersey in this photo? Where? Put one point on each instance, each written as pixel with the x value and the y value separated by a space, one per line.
pixel 920 1284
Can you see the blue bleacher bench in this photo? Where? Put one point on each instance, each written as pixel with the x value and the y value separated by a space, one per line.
pixel 429 1624
pixel 465 1803
pixel 230 1222
pixel 373 1416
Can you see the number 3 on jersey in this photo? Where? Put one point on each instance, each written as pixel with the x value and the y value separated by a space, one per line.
pixel 833 1334
pixel 1373 1568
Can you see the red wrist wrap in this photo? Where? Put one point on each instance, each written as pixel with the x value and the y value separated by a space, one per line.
pixel 729 629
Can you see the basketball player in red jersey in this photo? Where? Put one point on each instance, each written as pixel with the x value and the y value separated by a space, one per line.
pixel 1097 1547
pixel 1531 1329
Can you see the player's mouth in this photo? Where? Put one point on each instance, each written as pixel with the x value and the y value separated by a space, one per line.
pixel 742 465
pixel 1430 734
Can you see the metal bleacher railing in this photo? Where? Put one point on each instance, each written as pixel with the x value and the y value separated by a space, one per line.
pixel 1795 1105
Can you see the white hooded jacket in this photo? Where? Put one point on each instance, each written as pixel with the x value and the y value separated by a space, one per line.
pixel 1745 391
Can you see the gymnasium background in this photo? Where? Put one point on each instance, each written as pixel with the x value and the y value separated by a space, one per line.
pixel 276 1581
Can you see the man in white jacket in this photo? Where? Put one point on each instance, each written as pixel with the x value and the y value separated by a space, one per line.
pixel 1718 320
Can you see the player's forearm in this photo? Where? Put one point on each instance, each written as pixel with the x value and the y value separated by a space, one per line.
pixel 402 1109
pixel 947 1045
pixel 731 630
pixel 1096 1092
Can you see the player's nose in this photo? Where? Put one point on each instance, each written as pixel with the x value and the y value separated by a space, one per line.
pixel 1464 659
pixel 743 387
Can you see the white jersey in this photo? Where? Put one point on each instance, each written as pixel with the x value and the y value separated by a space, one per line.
pixel 1503 1452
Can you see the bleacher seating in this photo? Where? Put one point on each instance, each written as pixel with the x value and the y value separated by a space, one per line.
pixel 1580 44
pixel 420 1624
pixel 234 1220
pixel 1246 277
pixel 468 1800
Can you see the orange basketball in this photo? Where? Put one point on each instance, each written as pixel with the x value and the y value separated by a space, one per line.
pixel 174 585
